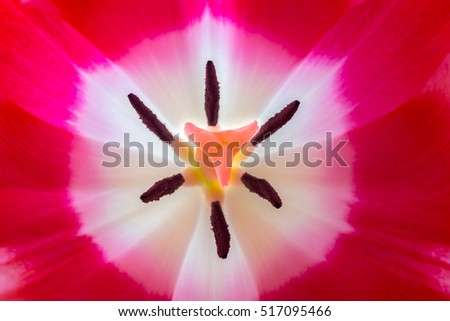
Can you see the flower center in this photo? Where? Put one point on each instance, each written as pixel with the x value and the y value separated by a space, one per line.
pixel 214 156
pixel 217 149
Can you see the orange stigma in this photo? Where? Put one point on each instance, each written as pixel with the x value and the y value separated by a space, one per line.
pixel 217 149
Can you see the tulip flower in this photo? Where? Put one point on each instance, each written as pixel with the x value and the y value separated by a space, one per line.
pixel 337 187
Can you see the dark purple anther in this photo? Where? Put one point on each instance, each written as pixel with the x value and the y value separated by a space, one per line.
pixel 262 188
pixel 212 94
pixel 275 122
pixel 162 188
pixel 220 230
pixel 150 120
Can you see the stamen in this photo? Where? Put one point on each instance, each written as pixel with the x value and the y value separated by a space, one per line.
pixel 150 120
pixel 162 188
pixel 276 122
pixel 220 230
pixel 262 188
pixel 212 94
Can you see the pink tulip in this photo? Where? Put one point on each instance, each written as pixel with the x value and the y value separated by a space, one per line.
pixel 375 74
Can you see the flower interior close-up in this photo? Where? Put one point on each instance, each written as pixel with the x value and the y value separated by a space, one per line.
pixel 225 150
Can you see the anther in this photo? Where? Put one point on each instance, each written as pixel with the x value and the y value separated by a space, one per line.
pixel 262 188
pixel 162 188
pixel 276 122
pixel 212 94
pixel 150 120
pixel 220 230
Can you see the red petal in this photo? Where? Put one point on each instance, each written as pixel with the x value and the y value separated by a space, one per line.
pixel 115 26
pixel 296 25
pixel 37 223
pixel 391 51
pixel 34 72
pixel 64 37
pixel 73 269
pixel 401 245
pixel 35 154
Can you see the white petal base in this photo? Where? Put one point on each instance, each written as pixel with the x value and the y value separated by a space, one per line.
pixel 168 246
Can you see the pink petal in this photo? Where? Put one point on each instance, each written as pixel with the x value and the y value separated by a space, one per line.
pixel 12 274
